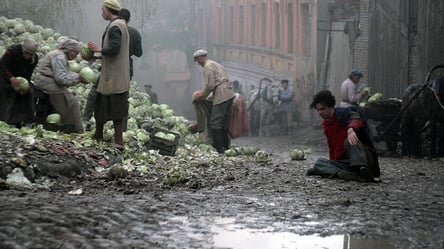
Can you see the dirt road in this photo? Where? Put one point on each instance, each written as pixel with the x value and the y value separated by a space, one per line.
pixel 247 206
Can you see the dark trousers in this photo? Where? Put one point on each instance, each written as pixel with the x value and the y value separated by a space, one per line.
pixel 220 115
pixel 357 156
pixel 91 102
pixel 219 124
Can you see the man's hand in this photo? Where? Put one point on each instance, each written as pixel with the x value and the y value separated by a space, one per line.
pixel 364 92
pixel 352 137
pixel 93 46
pixel 14 82
pixel 81 79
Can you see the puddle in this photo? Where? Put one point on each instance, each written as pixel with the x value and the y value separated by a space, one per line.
pixel 228 235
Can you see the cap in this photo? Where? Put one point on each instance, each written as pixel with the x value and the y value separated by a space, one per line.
pixel 357 72
pixel 112 4
pixel 199 53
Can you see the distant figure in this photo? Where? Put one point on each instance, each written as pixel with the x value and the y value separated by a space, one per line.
pixel 113 88
pixel 349 92
pixel 18 61
pixel 135 39
pixel 237 87
pixel 352 154
pixel 286 106
pixel 54 78
pixel 219 86
pixel 153 95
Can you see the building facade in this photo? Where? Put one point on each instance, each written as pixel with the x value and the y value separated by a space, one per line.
pixel 316 43
pixel 255 39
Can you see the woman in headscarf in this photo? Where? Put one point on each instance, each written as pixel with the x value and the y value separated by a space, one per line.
pixel 16 108
pixel 54 78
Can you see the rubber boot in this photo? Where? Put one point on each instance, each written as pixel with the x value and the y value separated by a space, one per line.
pixel 218 140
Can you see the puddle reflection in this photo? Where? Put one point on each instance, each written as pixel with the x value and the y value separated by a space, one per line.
pixel 228 235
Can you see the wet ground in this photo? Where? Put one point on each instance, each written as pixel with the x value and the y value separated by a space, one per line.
pixel 246 206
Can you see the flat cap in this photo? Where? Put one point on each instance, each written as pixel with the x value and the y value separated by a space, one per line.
pixel 200 53
pixel 357 72
pixel 112 4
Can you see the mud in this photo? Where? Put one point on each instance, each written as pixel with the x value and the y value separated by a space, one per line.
pixel 242 206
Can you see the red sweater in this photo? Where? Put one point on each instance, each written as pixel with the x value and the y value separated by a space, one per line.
pixel 337 134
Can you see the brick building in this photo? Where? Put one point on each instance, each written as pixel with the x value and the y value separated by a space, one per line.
pixel 263 38
pixel 316 43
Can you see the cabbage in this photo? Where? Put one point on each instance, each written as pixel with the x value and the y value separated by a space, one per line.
pixel 54 118
pixel 88 74
pixel 230 153
pixel 19 29
pixel 3 27
pixel 160 135
pixel 261 156
pixel 164 107
pixel 74 67
pixel 168 113
pixel 46 33
pixel 297 154
pixel 375 97
pixel 10 23
pixel 29 25
pixel 23 86
pixel 170 137
pixel 142 137
pixel 85 51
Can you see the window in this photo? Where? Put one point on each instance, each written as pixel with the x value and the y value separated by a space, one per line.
pixel 229 14
pixel 290 32
pixel 253 25
pixel 277 26
pixel 241 24
pixel 264 25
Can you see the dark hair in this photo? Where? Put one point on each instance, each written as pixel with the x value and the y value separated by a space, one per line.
pixel 125 14
pixel 323 97
pixel 114 12
pixel 149 86
pixel 284 81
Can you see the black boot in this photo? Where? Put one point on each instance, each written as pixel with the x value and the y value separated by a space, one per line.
pixel 218 140
pixel 226 140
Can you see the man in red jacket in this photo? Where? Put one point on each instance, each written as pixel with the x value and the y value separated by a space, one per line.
pixel 352 154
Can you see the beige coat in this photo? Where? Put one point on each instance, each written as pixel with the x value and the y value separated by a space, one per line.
pixel 45 79
pixel 216 80
pixel 115 74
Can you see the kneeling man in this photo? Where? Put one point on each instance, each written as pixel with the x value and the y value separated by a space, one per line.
pixel 352 154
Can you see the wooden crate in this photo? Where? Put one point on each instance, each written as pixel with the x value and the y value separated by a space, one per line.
pixel 165 147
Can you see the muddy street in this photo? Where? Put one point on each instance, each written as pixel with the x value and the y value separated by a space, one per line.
pixel 248 206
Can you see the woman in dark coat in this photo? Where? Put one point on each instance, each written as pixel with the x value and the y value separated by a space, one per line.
pixel 16 108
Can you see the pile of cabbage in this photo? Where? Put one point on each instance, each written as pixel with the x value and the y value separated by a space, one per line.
pixel 144 117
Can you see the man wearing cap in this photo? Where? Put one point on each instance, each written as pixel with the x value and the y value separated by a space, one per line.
pixel 219 86
pixel 112 90
pixel 349 91
pixel 153 96
pixel 16 108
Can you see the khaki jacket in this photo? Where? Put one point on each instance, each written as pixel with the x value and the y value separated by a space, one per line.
pixel 217 83
pixel 115 74
pixel 45 78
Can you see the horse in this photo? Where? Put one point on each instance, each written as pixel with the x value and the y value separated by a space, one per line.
pixel 424 114
pixel 262 103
